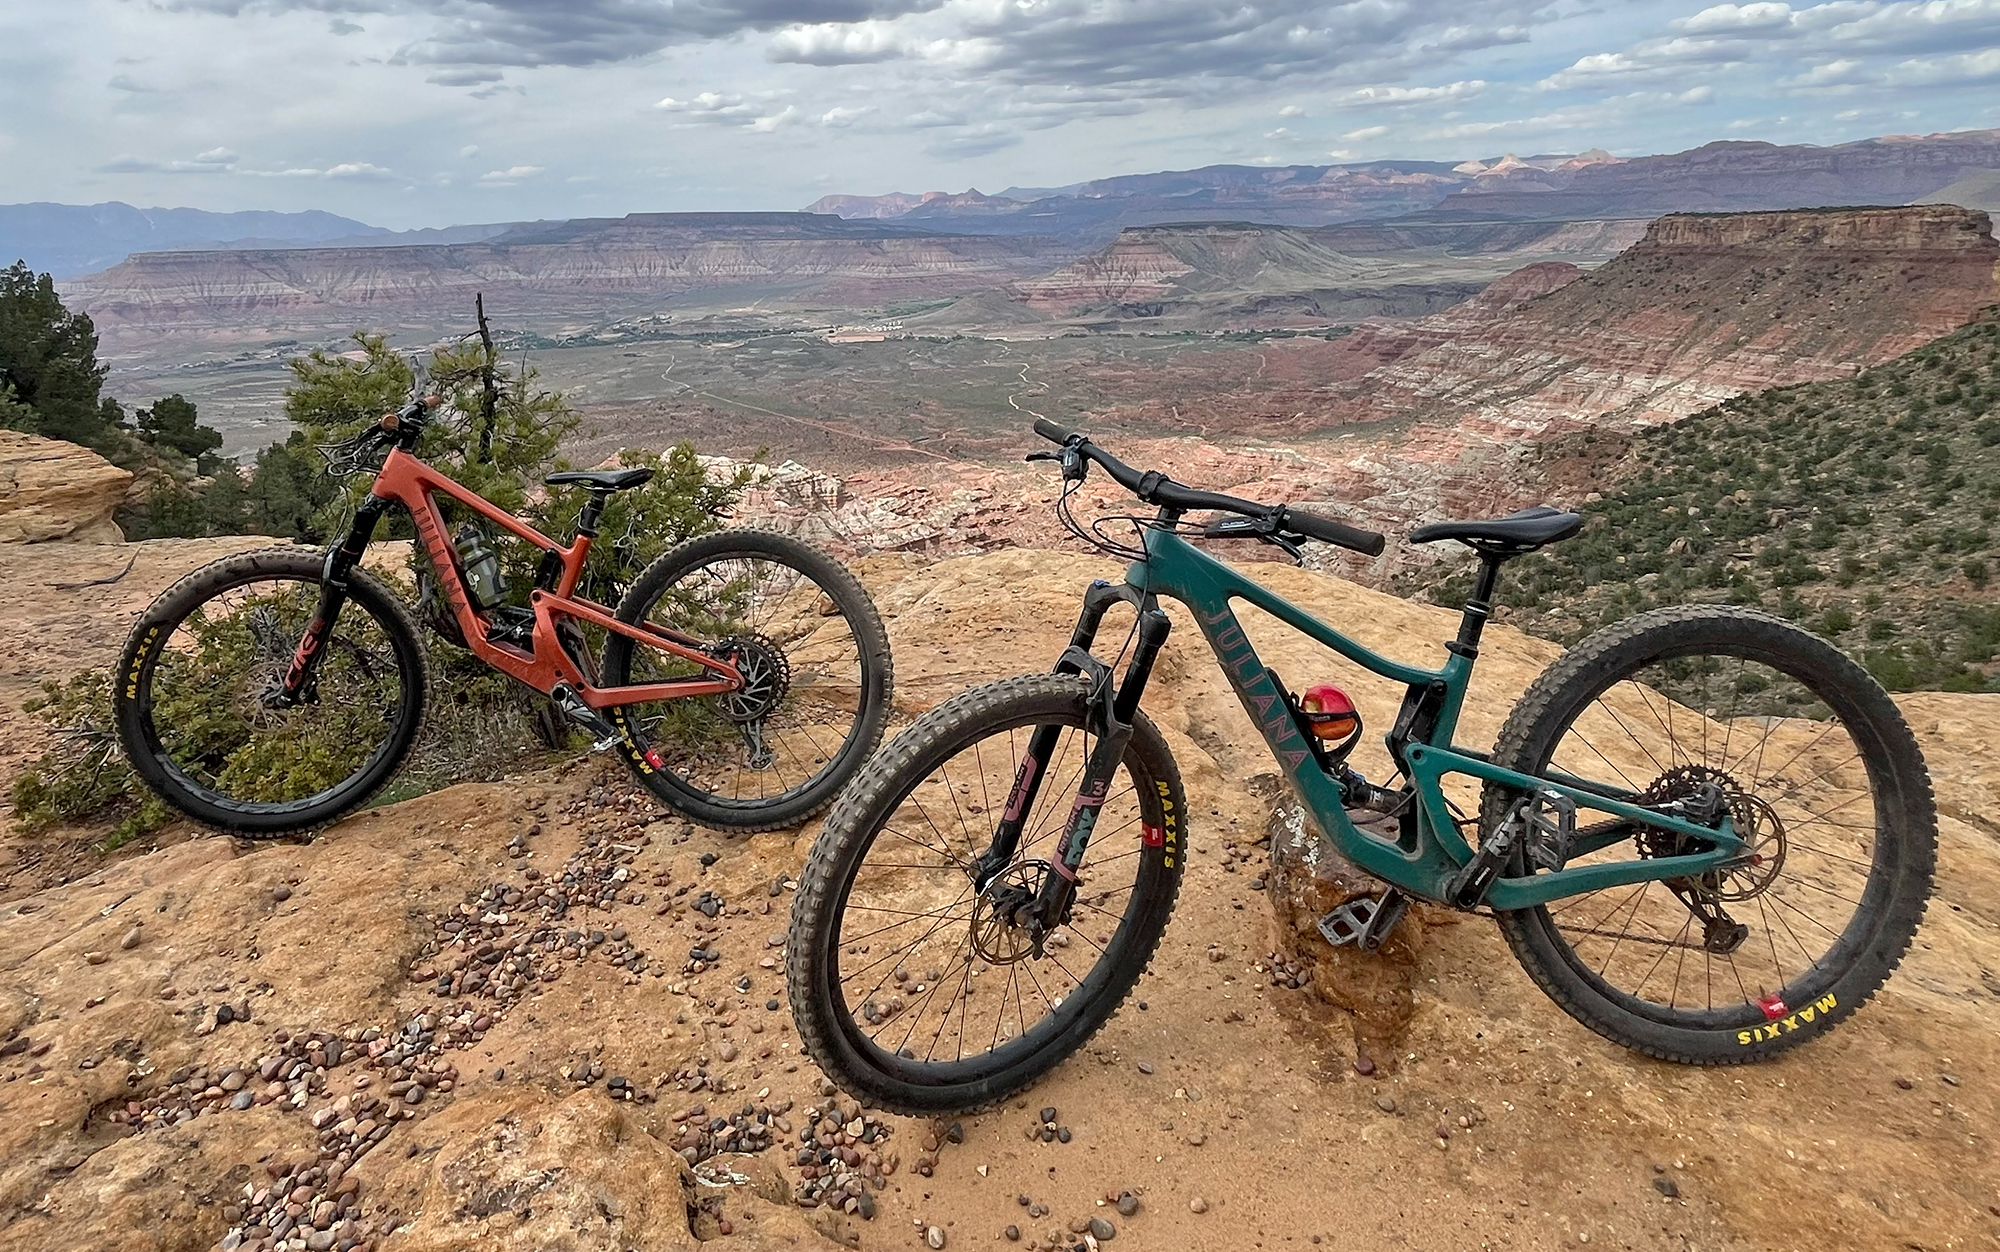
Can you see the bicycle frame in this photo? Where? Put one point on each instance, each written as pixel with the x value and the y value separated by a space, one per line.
pixel 406 480
pixel 1432 852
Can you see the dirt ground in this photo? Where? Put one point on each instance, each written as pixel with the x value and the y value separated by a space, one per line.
pixel 1210 1085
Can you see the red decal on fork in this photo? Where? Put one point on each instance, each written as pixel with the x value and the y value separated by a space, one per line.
pixel 1017 799
pixel 308 648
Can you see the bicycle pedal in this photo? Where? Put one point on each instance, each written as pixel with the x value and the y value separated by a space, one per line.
pixel 1389 909
pixel 1348 922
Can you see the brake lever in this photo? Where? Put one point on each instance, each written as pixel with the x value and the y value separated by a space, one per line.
pixel 1291 549
pixel 1074 468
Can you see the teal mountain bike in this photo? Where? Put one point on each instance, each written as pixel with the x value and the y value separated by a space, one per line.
pixel 1706 833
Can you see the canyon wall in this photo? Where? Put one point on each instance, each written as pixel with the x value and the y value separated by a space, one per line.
pixel 586 269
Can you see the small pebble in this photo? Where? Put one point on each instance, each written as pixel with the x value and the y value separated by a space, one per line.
pixel 1145 1067
pixel 131 939
pixel 933 1237
pixel 1013 1234
pixel 1667 1187
pixel 1386 1102
pixel 1102 1229
pixel 1128 1204
pixel 1197 1205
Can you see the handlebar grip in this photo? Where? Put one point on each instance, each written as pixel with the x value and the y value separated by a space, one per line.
pixel 1052 432
pixel 1326 530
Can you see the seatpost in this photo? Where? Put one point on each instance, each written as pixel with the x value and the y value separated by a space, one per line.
pixel 1478 608
pixel 593 508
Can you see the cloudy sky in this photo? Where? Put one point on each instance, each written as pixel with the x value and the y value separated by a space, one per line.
pixel 428 112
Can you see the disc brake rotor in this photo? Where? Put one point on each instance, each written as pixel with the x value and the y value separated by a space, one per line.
pixel 997 936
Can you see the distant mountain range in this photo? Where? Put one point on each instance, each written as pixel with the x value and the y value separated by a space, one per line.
pixel 68 239
pixel 71 239
pixel 1723 177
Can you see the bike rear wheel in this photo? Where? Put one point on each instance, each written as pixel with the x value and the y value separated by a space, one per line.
pixel 816 660
pixel 1725 709
pixel 908 990
pixel 190 700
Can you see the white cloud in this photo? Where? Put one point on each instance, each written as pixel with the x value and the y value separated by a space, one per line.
pixel 1365 133
pixel 361 172
pixel 509 176
pixel 859 43
pixel 712 108
pixel 1365 96
pixel 1840 43
pixel 1965 68
pixel 1846 72
pixel 1736 17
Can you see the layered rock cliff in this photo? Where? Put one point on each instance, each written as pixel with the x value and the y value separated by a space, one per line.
pixel 1700 309
pixel 1213 275
pixel 52 490
pixel 589 269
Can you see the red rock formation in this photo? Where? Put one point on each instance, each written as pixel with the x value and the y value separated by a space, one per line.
pixel 587 268
pixel 1454 406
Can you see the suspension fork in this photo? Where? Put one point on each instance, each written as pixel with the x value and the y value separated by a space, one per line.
pixel 1109 716
pixel 340 562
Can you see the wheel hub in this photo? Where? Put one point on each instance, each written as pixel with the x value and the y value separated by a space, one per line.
pixel 1001 929
pixel 766 677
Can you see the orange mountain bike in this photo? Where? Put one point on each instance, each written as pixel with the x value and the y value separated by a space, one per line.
pixel 744 677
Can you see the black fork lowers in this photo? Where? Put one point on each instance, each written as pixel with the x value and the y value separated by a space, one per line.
pixel 1111 711
pixel 299 684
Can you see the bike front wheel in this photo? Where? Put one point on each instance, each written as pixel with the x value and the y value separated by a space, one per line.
pixel 1724 711
pixel 912 987
pixel 193 703
pixel 817 672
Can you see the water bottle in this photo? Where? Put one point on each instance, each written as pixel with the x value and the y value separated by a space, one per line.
pixel 484 584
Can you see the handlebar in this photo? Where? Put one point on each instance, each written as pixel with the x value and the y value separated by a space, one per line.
pixel 411 412
pixel 1156 488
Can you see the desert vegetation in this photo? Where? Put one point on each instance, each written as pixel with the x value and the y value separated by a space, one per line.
pixel 1866 508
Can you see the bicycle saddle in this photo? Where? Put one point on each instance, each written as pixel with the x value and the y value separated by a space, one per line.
pixel 603 480
pixel 1518 532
